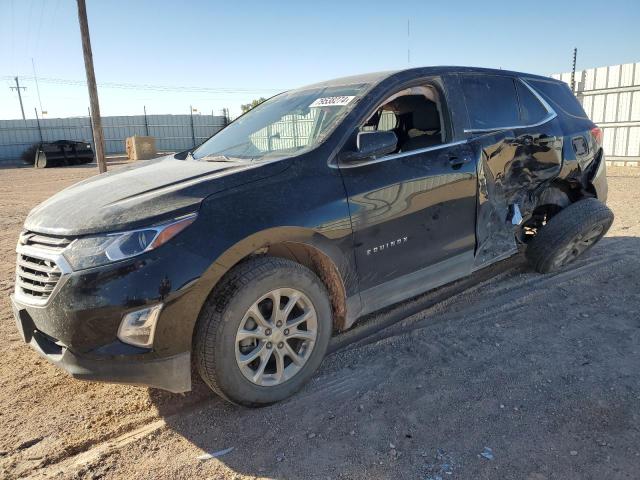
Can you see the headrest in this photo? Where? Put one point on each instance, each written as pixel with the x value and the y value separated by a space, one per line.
pixel 426 117
pixel 424 112
pixel 406 104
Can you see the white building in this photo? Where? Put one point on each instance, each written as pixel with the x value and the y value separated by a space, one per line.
pixel 611 98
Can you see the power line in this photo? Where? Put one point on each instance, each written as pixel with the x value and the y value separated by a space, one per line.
pixel 35 49
pixel 35 76
pixel 29 25
pixel 55 11
pixel 136 86
pixel 13 34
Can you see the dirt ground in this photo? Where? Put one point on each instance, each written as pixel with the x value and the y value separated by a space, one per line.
pixel 515 376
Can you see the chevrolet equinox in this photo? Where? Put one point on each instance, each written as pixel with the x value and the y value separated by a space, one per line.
pixel 320 205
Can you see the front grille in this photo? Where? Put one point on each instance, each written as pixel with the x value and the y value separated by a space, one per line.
pixel 37 269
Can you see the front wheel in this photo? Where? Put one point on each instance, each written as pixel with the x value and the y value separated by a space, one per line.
pixel 569 234
pixel 263 332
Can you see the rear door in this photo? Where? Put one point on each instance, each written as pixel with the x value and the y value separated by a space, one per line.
pixel 519 146
pixel 413 213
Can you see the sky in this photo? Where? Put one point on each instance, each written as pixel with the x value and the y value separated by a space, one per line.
pixel 169 56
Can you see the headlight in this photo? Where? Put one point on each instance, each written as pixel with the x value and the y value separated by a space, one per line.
pixel 98 250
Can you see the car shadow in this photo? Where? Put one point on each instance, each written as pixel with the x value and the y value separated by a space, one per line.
pixel 356 421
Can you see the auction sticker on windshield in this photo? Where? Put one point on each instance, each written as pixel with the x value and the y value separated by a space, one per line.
pixel 332 101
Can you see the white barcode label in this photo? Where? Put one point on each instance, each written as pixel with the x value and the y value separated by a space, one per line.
pixel 332 101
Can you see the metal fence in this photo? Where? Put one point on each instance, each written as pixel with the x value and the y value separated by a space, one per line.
pixel 290 132
pixel 611 97
pixel 172 132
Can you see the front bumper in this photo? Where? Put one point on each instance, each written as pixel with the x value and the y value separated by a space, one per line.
pixel 170 373
pixel 76 327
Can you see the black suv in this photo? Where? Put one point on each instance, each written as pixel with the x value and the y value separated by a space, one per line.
pixel 311 210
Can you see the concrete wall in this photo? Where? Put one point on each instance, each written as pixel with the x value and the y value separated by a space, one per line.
pixel 172 132
pixel 611 97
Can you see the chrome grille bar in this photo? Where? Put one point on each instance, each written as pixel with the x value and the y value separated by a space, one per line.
pixel 40 267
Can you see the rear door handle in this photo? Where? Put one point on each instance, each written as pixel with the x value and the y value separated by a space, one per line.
pixel 457 162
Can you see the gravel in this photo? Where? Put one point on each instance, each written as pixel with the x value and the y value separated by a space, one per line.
pixel 540 371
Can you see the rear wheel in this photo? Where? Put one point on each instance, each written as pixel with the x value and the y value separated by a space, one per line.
pixel 263 332
pixel 569 234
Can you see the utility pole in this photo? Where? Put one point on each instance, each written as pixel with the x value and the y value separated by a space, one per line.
pixel 146 123
pixel 38 121
pixel 573 70
pixel 18 87
pixel 193 131
pixel 93 140
pixel 98 135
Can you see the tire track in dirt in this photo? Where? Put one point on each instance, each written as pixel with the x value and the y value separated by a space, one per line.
pixel 442 345
pixel 510 293
pixel 337 388
pixel 340 387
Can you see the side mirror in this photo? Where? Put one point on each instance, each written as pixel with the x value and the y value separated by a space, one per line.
pixel 372 145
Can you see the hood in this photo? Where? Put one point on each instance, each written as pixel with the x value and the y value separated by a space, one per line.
pixel 141 194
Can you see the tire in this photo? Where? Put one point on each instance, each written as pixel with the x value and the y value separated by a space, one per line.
pixel 220 355
pixel 569 234
pixel 41 159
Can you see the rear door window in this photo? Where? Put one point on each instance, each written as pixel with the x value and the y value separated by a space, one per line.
pixel 531 110
pixel 491 100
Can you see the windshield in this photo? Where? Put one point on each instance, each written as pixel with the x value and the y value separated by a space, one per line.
pixel 285 125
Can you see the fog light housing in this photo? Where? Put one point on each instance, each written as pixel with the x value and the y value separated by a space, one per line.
pixel 138 328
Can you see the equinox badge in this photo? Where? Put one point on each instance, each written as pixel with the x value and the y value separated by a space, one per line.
pixel 391 244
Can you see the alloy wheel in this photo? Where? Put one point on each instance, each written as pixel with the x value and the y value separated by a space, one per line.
pixel 276 337
pixel 578 245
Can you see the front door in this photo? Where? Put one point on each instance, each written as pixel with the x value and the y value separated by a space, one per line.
pixel 411 211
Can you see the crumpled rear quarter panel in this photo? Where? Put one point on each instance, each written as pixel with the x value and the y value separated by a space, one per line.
pixel 513 168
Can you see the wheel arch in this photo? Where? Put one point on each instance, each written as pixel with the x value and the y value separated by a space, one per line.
pixel 546 203
pixel 301 245
pixel 555 197
pixel 324 267
pixel 562 192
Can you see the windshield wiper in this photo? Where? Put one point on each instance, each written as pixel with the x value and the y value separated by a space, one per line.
pixel 219 158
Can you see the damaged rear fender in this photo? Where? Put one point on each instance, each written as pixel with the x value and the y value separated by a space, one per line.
pixel 512 167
